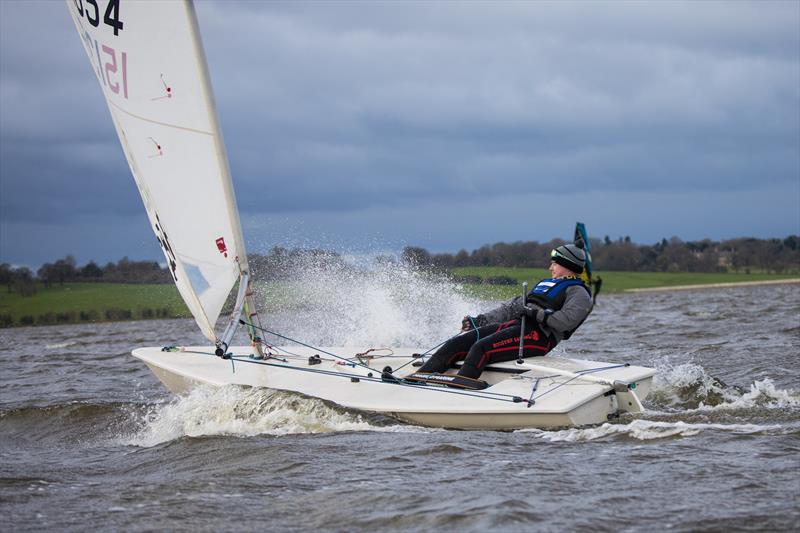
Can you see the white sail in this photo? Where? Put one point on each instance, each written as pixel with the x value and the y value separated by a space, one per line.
pixel 149 61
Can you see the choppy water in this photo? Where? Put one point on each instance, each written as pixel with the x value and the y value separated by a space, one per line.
pixel 88 437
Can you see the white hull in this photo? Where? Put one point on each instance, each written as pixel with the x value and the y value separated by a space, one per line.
pixel 559 401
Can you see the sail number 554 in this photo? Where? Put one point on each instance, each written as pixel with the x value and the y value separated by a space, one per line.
pixel 90 10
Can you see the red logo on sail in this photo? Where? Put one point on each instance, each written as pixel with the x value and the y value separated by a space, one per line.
pixel 221 246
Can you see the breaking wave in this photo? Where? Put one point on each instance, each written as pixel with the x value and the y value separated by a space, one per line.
pixel 243 412
pixel 649 430
pixel 686 401
pixel 689 387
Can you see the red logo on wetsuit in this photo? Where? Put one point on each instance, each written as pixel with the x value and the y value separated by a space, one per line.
pixel 221 246
pixel 533 335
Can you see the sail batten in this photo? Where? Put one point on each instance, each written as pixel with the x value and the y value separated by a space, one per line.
pixel 176 126
pixel 149 62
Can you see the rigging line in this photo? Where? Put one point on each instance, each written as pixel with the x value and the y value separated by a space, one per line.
pixel 601 368
pixel 482 395
pixel 237 357
pixel 423 354
pixel 376 350
pixel 389 357
pixel 572 379
pixel 475 327
pixel 348 361
pixel 580 373
pixel 286 352
pixel 531 401
pixel 548 391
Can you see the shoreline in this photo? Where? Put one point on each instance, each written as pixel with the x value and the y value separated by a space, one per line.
pixel 716 285
pixel 96 303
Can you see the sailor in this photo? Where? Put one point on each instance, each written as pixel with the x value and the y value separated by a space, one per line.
pixel 554 309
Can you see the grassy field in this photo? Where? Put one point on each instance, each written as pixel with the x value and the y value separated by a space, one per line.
pixel 90 302
pixel 612 281
pixel 97 302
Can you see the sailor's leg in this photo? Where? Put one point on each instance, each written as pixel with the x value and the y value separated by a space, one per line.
pixel 455 349
pixel 504 346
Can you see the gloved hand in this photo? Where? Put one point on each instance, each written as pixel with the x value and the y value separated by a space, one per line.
pixel 536 313
pixel 468 323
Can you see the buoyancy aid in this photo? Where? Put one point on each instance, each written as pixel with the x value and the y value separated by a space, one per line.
pixel 551 294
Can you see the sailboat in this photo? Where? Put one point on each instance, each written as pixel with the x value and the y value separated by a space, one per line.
pixel 149 61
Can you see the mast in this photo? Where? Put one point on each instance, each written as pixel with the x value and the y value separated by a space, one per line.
pixel 245 301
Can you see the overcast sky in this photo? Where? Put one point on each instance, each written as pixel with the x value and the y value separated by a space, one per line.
pixel 371 125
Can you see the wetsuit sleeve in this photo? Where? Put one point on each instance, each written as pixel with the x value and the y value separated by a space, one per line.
pixel 507 311
pixel 577 306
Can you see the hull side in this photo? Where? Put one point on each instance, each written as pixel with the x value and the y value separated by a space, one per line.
pixel 572 405
pixel 174 382
pixel 595 411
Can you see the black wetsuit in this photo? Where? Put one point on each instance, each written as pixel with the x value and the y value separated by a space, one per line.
pixel 488 344
pixel 496 338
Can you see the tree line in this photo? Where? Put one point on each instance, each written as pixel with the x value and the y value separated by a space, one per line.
pixel 673 255
pixel 24 281
pixel 276 264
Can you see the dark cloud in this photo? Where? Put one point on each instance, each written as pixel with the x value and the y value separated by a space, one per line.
pixel 365 114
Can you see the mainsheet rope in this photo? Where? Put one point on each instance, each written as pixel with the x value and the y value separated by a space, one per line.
pixel 348 360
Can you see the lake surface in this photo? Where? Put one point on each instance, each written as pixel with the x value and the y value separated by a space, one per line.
pixel 90 438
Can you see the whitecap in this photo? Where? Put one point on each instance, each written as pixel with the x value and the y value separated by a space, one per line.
pixel 690 387
pixel 59 345
pixel 762 393
pixel 646 430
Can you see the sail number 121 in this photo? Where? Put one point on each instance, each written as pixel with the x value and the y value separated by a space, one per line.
pixel 90 10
